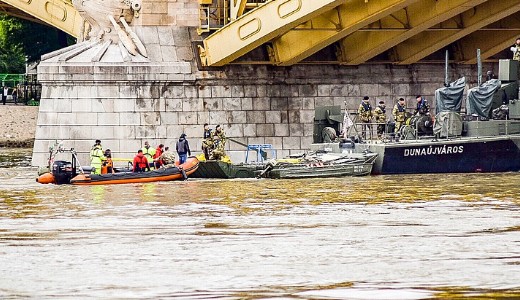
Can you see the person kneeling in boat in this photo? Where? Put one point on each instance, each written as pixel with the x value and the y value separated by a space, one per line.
pixel 140 162
pixel 167 158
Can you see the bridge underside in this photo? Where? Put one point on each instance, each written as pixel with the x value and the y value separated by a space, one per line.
pixel 57 13
pixel 354 32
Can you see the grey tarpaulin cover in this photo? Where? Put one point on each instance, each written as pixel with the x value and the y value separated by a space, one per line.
pixel 448 123
pixel 450 97
pixel 480 98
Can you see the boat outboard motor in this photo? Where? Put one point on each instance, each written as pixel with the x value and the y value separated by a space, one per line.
pixel 62 171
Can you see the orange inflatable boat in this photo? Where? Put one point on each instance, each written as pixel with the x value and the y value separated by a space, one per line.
pixel 65 172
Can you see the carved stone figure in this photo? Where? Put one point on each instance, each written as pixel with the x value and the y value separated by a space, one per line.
pixel 108 21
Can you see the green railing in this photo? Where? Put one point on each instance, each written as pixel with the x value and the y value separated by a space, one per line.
pixel 29 90
pixel 12 79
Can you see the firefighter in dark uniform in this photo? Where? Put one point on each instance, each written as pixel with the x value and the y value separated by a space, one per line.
pixel 365 116
pixel 422 108
pixel 380 117
pixel 399 113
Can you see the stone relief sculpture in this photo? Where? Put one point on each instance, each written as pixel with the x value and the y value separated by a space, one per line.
pixel 108 22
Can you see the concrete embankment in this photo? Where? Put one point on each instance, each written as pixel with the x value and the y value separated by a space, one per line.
pixel 18 123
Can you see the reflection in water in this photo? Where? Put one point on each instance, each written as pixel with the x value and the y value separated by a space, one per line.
pixel 377 237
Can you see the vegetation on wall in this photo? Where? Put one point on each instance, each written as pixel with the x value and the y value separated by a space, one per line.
pixel 21 40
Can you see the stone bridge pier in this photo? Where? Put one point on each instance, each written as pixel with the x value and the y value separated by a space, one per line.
pixel 94 91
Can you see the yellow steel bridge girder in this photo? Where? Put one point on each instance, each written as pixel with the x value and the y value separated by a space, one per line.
pixel 364 45
pixel 330 27
pixel 426 43
pixel 56 13
pixel 494 42
pixel 490 41
pixel 259 26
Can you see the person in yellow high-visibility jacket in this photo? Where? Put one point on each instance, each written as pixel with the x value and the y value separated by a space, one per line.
pixel 149 153
pixel 97 157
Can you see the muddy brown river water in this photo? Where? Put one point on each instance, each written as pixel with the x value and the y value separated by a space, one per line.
pixel 447 236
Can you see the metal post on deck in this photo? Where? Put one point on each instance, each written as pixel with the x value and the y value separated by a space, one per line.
pixel 479 68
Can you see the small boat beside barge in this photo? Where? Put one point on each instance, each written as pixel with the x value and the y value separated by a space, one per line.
pixel 314 165
pixel 339 166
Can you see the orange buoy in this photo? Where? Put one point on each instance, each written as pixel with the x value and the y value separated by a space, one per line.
pixel 45 178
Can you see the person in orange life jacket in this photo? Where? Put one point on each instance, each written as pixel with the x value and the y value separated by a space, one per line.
pixel 108 165
pixel 183 148
pixel 140 162
pixel 158 153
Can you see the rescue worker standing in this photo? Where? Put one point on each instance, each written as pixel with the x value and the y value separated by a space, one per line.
pixel 422 109
pixel 399 113
pixel 167 158
pixel 148 151
pixel 516 50
pixel 140 162
pixel 365 116
pixel 97 157
pixel 207 142
pixel 183 148
pixel 380 116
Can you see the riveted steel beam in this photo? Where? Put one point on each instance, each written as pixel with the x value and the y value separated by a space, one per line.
pixel 489 40
pixel 57 13
pixel 425 43
pixel 330 27
pixel 259 26
pixel 364 45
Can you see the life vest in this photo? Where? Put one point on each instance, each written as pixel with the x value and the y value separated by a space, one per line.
pixel 207 133
pixel 107 166
pixel 158 153
pixel 140 162
pixel 148 152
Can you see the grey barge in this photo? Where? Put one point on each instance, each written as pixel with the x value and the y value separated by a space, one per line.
pixel 484 139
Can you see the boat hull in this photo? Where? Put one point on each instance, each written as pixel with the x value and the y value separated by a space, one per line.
pixel 468 156
pixel 459 155
pixel 224 170
pixel 321 171
pixel 166 174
